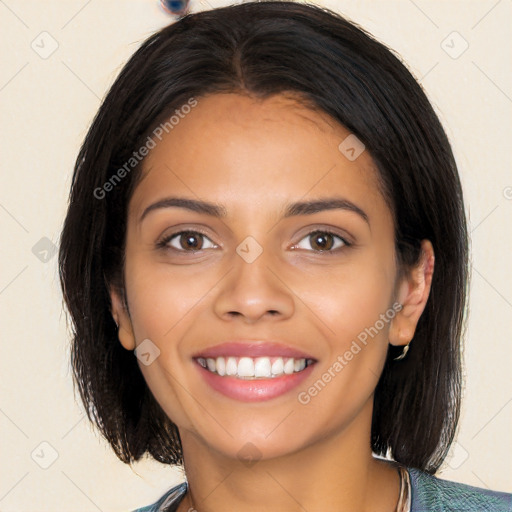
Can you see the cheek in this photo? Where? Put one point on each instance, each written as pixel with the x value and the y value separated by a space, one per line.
pixel 352 308
pixel 160 298
pixel 162 305
pixel 349 298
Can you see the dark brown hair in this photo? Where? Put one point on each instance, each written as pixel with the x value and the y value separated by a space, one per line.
pixel 262 49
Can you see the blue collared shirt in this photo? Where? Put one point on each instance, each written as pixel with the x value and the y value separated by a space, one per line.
pixel 428 494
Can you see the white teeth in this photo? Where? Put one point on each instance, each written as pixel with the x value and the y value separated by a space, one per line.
pixel 262 367
pixel 231 366
pixel 254 368
pixel 277 366
pixel 299 364
pixel 289 366
pixel 220 364
pixel 245 367
pixel 211 364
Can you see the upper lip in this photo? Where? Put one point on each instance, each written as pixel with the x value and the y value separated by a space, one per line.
pixel 252 348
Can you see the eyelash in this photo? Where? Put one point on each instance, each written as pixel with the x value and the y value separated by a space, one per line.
pixel 326 232
pixel 163 244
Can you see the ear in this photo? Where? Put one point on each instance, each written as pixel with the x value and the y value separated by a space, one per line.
pixel 413 293
pixel 122 318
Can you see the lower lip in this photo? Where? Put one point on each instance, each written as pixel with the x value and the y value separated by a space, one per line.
pixel 256 390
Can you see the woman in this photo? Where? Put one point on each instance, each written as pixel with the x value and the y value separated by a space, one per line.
pixel 265 262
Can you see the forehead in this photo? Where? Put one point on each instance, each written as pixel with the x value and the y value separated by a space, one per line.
pixel 247 152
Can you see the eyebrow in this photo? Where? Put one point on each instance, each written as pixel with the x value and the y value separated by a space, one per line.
pixel 299 208
pixel 316 206
pixel 194 205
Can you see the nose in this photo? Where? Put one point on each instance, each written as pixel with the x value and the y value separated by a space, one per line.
pixel 254 291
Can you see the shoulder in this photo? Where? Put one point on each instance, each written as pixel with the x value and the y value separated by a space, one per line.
pixel 432 494
pixel 168 502
pixel 429 494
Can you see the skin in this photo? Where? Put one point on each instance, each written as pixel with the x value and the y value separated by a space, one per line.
pixel 254 157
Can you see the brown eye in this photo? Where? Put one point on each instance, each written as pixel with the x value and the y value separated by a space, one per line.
pixel 319 241
pixel 189 241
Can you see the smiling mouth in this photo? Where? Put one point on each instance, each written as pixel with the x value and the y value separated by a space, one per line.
pixel 249 368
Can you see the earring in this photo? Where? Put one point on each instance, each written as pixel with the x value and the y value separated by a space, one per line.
pixel 117 325
pixel 403 354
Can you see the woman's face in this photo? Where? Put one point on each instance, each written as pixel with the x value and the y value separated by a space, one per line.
pixel 295 248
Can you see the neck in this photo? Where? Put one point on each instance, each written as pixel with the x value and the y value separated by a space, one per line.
pixel 335 473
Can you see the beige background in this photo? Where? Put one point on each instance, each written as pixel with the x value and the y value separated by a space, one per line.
pixel 47 105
